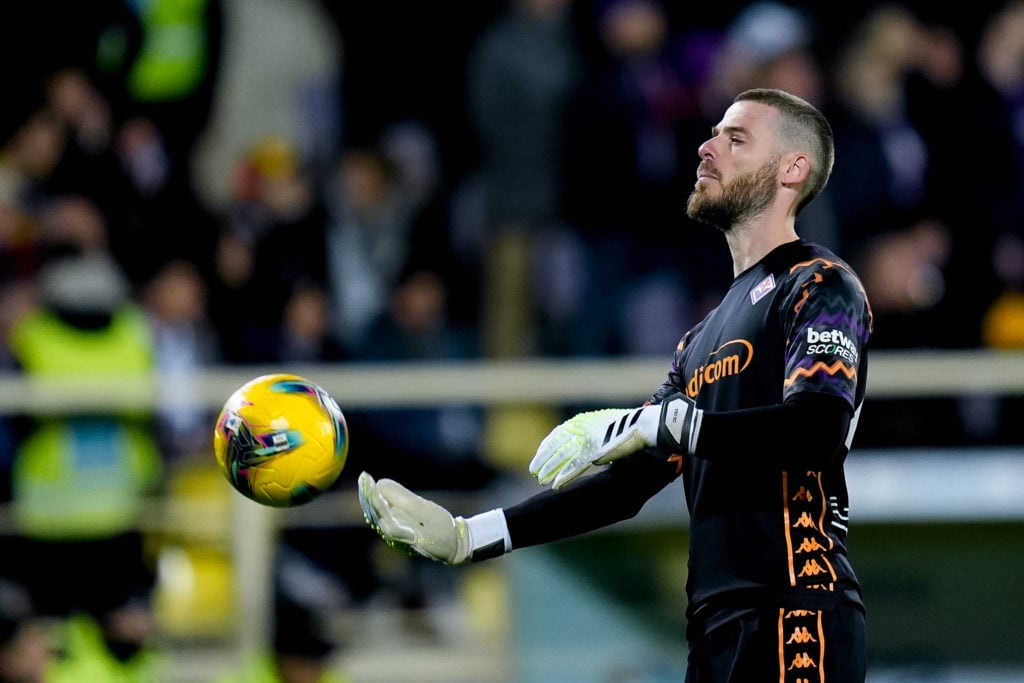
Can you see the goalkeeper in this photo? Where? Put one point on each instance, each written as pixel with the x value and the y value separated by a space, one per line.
pixel 756 415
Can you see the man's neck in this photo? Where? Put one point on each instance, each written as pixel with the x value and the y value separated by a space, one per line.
pixel 751 242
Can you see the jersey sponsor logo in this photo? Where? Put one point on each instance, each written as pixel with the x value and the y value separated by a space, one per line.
pixel 762 288
pixel 731 358
pixel 832 343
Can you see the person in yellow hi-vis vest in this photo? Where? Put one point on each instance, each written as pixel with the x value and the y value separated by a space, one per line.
pixel 86 656
pixel 79 481
pixel 159 60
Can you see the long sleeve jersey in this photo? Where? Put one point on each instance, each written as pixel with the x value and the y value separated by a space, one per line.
pixel 779 368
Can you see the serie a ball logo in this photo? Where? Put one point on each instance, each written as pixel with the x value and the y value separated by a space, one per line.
pixel 281 440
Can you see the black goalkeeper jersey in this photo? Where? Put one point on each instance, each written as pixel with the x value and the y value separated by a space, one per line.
pixel 779 368
pixel 798 321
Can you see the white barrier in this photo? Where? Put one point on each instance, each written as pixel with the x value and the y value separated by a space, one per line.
pixel 539 381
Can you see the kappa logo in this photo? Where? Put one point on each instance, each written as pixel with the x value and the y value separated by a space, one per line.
pixel 812 568
pixel 793 613
pixel 801 636
pixel 803 494
pixel 809 545
pixel 802 661
pixel 804 522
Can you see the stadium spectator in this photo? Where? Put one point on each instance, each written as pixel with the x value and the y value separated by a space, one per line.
pixel 184 346
pixel 106 650
pixel 768 44
pixel 988 246
pixel 306 334
pixel 522 72
pixel 885 172
pixel 80 481
pixel 439 242
pixel 160 62
pixel 279 75
pixel 124 167
pixel 272 241
pixel 625 149
pixel 368 240
pixel 775 45
pixel 31 152
pixel 438 446
pixel 880 192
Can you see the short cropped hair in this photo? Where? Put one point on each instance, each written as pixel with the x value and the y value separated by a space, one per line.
pixel 803 128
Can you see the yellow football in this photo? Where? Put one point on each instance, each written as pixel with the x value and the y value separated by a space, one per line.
pixel 281 440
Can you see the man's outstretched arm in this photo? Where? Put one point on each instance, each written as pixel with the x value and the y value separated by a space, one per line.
pixel 416 525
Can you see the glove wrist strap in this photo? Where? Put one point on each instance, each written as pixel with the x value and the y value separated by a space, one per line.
pixel 680 425
pixel 488 535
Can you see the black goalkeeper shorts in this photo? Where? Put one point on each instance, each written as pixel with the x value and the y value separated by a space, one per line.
pixel 778 645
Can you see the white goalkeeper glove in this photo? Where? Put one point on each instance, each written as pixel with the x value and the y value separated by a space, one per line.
pixel 603 436
pixel 415 525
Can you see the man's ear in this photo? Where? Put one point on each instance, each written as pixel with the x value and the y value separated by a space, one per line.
pixel 795 168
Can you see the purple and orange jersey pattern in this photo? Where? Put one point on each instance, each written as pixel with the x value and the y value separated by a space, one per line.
pixel 798 321
pixel 830 325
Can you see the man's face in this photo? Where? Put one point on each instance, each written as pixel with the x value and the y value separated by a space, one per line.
pixel 738 173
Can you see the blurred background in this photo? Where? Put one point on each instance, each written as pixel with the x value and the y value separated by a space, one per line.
pixel 468 219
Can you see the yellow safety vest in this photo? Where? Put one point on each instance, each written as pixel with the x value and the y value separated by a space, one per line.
pixel 83 477
pixel 173 57
pixel 87 659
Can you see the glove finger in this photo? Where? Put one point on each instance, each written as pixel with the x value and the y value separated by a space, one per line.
pixel 571 472
pixel 539 458
pixel 554 465
pixel 368 499
pixel 398 496
pixel 548 447
pixel 375 508
pixel 380 516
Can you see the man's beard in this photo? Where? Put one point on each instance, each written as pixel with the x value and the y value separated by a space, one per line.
pixel 740 200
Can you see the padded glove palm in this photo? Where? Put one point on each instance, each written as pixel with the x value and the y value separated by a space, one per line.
pixel 415 525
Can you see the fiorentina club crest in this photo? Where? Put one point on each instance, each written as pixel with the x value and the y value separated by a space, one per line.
pixel 763 287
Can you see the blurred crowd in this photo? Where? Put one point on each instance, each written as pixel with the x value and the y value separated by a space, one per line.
pixel 371 189
pixel 184 184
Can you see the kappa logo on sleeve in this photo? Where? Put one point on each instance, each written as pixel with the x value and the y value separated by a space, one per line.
pixel 832 343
